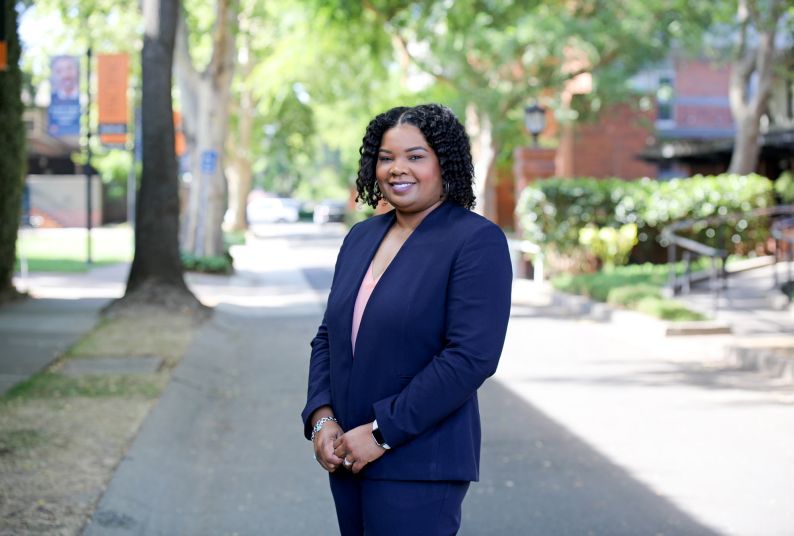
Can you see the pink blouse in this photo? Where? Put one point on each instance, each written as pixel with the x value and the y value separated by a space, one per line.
pixel 364 292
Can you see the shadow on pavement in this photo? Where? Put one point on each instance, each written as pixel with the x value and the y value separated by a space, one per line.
pixel 539 478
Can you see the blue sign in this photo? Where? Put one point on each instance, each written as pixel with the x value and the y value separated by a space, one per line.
pixel 209 162
pixel 64 110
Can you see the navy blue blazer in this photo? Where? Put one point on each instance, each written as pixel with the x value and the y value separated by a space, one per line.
pixel 431 333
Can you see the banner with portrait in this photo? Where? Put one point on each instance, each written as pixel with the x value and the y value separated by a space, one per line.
pixel 64 110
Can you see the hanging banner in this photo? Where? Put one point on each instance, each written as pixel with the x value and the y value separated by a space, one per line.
pixel 64 110
pixel 112 74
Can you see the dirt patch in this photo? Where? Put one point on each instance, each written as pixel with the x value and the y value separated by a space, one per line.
pixel 56 458
pixel 61 437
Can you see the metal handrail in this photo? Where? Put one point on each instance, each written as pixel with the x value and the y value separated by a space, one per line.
pixel 779 233
pixel 718 256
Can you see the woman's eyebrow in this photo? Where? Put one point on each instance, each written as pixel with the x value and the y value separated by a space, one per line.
pixel 408 150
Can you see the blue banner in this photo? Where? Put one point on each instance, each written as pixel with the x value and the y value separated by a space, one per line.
pixel 64 110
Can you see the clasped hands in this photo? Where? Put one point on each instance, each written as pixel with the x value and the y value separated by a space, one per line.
pixel 352 450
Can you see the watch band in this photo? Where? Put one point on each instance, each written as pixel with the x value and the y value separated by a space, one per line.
pixel 378 436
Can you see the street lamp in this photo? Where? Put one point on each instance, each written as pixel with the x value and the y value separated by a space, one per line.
pixel 535 121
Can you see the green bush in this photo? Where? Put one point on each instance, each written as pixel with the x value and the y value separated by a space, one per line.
pixel 553 211
pixel 637 287
pixel 611 246
pixel 208 265
pixel 631 295
pixel 666 310
pixel 784 187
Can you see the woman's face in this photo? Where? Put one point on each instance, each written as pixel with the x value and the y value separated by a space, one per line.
pixel 407 170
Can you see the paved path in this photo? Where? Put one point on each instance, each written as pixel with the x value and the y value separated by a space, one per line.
pixel 34 332
pixel 589 428
pixel 750 304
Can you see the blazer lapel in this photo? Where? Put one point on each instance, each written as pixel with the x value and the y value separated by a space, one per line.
pixel 360 259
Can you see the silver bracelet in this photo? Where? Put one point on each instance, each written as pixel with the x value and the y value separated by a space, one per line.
pixel 320 423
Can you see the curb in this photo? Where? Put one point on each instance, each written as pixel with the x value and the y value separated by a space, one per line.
pixel 772 356
pixel 601 312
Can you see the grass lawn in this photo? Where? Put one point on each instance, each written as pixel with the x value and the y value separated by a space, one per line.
pixel 64 250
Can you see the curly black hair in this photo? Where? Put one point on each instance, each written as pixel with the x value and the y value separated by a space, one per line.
pixel 445 135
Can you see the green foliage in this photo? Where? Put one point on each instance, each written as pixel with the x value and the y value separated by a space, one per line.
pixel 234 238
pixel 221 264
pixel 553 211
pixel 784 187
pixel 598 285
pixel 635 287
pixel 648 299
pixel 12 149
pixel 611 246
pixel 114 168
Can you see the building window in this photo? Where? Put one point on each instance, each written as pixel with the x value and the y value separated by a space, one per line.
pixel 664 99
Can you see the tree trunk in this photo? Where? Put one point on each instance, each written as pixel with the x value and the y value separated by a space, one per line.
pixel 156 276
pixel 241 172
pixel 748 61
pixel 12 154
pixel 206 120
pixel 480 129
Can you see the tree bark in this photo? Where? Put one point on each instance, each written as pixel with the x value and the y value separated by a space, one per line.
pixel 206 120
pixel 483 150
pixel 746 108
pixel 12 154
pixel 156 277
pixel 241 172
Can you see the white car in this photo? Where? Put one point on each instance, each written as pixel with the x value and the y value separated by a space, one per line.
pixel 272 210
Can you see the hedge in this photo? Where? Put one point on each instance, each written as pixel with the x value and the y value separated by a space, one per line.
pixel 552 211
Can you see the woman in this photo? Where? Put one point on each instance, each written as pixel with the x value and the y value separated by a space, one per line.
pixel 415 322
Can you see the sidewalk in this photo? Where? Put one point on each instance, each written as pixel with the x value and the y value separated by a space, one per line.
pixel 605 427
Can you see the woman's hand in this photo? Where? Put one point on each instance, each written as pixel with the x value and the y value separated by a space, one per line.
pixel 324 446
pixel 359 447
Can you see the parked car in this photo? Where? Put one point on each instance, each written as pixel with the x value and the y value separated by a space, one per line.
pixel 272 210
pixel 330 211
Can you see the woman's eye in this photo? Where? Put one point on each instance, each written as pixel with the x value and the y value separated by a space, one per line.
pixel 415 157
pixel 384 159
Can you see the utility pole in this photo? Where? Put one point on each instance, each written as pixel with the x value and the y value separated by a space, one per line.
pixel 88 169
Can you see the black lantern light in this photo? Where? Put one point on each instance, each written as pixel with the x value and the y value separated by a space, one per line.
pixel 535 121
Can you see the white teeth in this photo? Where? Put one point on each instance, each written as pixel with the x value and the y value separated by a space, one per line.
pixel 401 186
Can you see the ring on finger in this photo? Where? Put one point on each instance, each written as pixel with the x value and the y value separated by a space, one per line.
pixel 347 463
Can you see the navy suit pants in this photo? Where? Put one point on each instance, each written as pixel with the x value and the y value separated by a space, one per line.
pixel 396 507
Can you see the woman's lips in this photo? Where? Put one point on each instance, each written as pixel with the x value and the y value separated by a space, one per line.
pixel 400 187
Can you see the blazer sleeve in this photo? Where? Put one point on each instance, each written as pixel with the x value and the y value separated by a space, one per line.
pixel 478 309
pixel 319 391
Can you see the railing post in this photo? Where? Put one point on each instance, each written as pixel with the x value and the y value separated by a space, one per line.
pixel 714 284
pixel 687 258
pixel 775 281
pixel 671 266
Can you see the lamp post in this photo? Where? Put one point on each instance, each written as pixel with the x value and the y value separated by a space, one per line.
pixel 535 121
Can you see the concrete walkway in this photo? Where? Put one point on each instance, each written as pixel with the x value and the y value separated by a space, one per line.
pixel 589 427
pixel 750 304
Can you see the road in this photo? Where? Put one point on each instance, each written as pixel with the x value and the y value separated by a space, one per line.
pixel 589 428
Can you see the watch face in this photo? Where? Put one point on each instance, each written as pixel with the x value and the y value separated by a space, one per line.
pixel 378 436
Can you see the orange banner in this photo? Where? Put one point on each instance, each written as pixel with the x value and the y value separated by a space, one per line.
pixel 179 135
pixel 3 56
pixel 112 72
